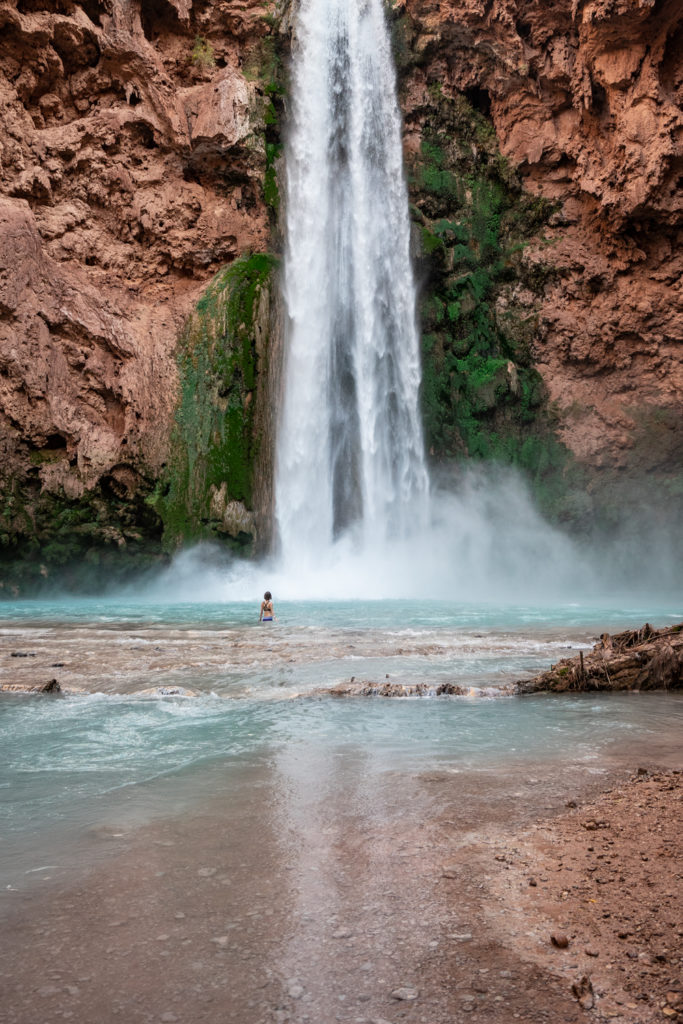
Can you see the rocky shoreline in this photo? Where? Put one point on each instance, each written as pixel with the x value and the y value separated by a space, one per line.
pixel 589 904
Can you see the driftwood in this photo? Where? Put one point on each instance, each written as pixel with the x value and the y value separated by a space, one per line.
pixel 50 687
pixel 639 659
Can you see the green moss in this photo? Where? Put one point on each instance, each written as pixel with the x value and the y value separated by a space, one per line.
pixel 213 441
pixel 271 192
pixel 54 543
pixel 262 61
pixel 264 65
pixel 481 394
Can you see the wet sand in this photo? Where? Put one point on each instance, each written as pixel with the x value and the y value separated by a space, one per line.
pixel 329 900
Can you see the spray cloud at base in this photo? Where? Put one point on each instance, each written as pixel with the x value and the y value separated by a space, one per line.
pixel 486 543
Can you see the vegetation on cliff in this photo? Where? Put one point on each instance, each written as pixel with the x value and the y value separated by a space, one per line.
pixel 51 541
pixel 482 395
pixel 207 488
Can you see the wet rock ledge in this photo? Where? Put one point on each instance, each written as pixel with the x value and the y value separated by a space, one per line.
pixel 638 659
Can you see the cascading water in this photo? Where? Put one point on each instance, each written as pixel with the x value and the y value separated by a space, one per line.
pixel 355 516
pixel 350 457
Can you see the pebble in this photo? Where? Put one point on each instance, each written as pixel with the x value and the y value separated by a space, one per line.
pixel 295 990
pixel 591 952
pixel 342 933
pixel 405 993
pixel 461 936
pixel 583 992
pixel 168 1018
pixel 559 940
pixel 206 872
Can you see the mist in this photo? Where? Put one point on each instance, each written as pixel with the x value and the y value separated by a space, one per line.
pixel 486 542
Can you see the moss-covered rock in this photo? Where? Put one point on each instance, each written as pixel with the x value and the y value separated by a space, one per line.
pixel 52 542
pixel 482 396
pixel 207 488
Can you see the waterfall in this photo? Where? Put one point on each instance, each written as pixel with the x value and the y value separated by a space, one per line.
pixel 350 457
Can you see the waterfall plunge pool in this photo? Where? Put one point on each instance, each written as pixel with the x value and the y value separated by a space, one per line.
pixel 112 755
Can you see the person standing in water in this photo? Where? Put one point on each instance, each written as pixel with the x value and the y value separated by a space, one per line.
pixel 266 608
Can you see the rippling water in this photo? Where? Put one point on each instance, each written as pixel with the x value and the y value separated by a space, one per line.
pixel 113 753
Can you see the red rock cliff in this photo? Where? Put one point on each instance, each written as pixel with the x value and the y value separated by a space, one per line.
pixel 132 163
pixel 131 167
pixel 585 97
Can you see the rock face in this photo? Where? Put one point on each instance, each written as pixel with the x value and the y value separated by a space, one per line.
pixel 585 98
pixel 138 157
pixel 132 156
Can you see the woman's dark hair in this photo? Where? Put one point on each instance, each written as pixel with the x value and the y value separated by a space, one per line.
pixel 268 596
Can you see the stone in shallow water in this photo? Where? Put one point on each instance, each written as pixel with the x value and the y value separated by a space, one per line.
pixel 52 686
pixel 405 993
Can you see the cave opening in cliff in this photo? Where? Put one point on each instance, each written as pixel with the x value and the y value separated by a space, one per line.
pixel 599 102
pixel 93 9
pixel 53 443
pixel 671 69
pixel 479 99
pixel 523 28
pixel 158 17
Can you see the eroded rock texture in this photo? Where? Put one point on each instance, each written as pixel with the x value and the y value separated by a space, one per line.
pixel 134 165
pixel 585 98
pixel 131 164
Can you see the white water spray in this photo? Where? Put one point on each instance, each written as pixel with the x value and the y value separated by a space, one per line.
pixel 350 459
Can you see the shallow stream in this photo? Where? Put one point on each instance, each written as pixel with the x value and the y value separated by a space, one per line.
pixel 114 754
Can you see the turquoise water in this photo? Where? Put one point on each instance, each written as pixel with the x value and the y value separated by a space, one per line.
pixel 608 613
pixel 115 754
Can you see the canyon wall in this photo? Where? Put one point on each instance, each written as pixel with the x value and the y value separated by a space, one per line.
pixel 132 162
pixel 139 147
pixel 585 100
